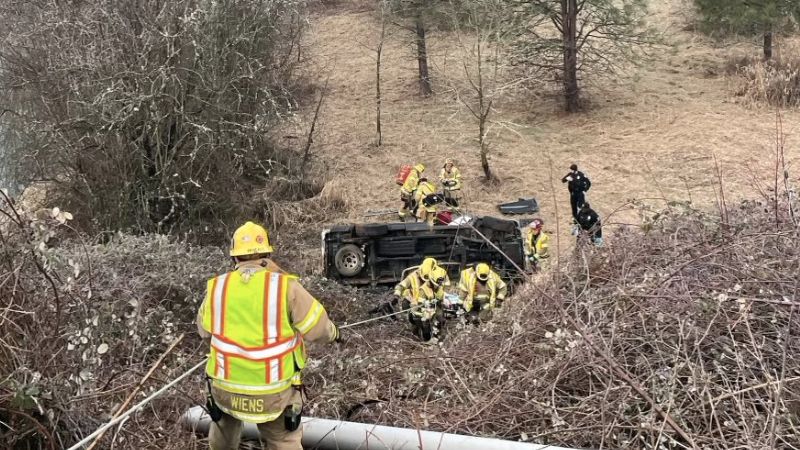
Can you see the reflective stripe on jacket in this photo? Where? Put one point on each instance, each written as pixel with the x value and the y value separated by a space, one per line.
pixel 256 321
pixel 415 290
pixel 423 190
pixel 254 348
pixel 453 175
pixel 537 244
pixel 469 287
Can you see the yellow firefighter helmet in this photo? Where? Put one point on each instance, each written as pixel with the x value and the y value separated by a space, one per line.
pixel 427 266
pixel 438 276
pixel 482 270
pixel 250 239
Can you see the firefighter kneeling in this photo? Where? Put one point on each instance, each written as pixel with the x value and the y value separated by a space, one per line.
pixel 424 295
pixel 482 290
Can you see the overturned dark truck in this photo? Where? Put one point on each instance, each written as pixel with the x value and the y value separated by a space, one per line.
pixel 377 253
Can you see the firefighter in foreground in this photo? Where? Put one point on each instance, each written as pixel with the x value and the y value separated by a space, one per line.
pixel 482 290
pixel 257 319
pixel 408 189
pixel 424 295
pixel 537 244
pixel 450 177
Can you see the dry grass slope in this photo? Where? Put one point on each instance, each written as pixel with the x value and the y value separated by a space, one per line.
pixel 653 134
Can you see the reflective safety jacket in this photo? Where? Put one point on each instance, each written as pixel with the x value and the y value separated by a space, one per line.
pixel 416 291
pixel 537 244
pixel 453 176
pixel 425 189
pixel 256 321
pixel 411 183
pixel 494 289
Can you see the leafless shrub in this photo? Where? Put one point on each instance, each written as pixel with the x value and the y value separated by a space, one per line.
pixel 149 115
pixel 80 324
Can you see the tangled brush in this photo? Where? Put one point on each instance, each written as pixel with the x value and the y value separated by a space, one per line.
pixel 681 338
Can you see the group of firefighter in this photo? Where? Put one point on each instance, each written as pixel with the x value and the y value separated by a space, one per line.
pixel 257 318
pixel 481 289
pixel 422 293
pixel 420 199
pixel 419 195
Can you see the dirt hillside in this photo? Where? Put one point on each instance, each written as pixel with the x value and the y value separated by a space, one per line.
pixel 652 134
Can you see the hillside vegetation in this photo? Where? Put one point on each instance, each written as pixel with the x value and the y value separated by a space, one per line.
pixel 679 333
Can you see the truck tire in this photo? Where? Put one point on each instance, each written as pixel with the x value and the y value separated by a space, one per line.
pixel 349 260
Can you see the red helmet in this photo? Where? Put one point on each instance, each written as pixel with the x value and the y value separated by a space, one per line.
pixel 536 224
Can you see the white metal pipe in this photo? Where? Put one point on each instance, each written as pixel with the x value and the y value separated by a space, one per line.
pixel 326 434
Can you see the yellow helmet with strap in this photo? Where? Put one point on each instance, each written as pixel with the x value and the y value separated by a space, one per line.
pixel 250 239
pixel 482 270
pixel 438 276
pixel 427 266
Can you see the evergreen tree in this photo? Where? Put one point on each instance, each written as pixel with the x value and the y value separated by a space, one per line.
pixel 750 17
pixel 574 37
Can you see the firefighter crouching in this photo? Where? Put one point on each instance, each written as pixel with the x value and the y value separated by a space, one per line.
pixel 256 319
pixel 425 200
pixel 424 295
pixel 482 290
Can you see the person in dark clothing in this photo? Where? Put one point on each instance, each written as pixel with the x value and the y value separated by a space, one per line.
pixel 590 223
pixel 577 184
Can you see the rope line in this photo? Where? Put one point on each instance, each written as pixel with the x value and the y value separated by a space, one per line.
pixel 136 407
pixel 180 378
pixel 378 318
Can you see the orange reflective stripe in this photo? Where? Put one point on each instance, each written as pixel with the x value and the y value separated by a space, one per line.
pixel 220 364
pixel 219 294
pixel 271 351
pixel 213 316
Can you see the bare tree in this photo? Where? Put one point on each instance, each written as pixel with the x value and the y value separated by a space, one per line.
pixel 378 55
pixel 575 37
pixel 482 31
pixel 425 87
pixel 149 115
pixel 416 16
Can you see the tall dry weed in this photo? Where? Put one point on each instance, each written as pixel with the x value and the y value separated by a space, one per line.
pixel 775 82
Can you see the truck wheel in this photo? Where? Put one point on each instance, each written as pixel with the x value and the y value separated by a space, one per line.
pixel 349 260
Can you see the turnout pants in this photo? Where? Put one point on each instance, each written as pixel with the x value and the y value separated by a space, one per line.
pixel 477 314
pixel 576 200
pixel 425 329
pixel 408 207
pixel 226 434
pixel 451 197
